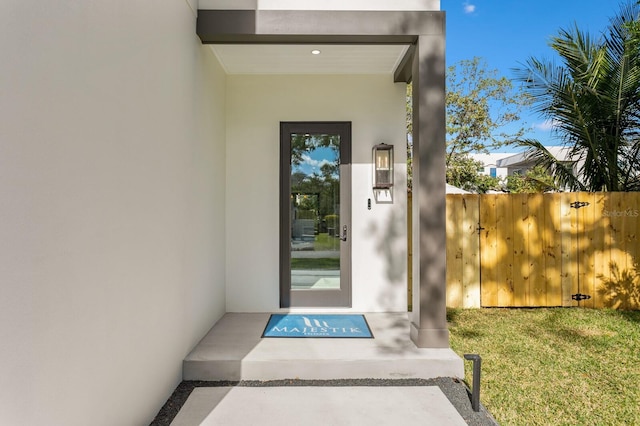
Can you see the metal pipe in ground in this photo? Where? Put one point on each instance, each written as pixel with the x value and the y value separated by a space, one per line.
pixel 475 390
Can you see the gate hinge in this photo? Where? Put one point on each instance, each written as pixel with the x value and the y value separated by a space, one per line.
pixel 579 204
pixel 479 228
pixel 580 296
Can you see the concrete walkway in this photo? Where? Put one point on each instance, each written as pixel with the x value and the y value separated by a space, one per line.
pixel 441 401
pixel 318 406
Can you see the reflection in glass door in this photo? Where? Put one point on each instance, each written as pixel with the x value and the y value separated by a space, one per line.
pixel 315 237
pixel 315 211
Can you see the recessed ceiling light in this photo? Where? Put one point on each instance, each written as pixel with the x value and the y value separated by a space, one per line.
pixel 315 52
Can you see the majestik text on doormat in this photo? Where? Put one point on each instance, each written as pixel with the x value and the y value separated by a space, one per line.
pixel 317 325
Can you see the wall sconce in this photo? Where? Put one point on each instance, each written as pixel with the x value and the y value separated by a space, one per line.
pixel 382 166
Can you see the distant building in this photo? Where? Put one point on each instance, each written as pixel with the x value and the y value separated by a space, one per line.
pixel 490 163
pixel 507 164
pixel 519 164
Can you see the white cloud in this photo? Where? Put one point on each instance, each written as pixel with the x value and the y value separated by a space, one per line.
pixel 306 159
pixel 469 8
pixel 546 126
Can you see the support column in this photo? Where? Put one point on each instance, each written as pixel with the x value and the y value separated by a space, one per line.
pixel 429 316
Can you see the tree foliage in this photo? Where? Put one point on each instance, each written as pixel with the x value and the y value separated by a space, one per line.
pixel 317 191
pixel 463 172
pixel 536 179
pixel 592 97
pixel 480 105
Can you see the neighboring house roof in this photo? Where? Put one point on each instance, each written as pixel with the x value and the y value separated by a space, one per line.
pixel 519 159
pixel 455 190
pixel 523 159
pixel 490 159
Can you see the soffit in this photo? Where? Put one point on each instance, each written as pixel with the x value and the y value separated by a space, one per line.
pixel 298 59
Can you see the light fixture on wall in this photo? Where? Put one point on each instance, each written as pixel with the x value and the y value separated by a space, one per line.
pixel 382 166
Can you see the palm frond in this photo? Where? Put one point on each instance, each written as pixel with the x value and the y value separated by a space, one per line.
pixel 541 156
pixel 593 97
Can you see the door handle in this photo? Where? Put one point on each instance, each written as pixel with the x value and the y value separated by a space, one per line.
pixel 344 233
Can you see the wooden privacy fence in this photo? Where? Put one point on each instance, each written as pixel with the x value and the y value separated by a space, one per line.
pixel 530 250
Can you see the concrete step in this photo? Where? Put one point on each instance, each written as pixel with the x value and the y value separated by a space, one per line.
pixel 234 350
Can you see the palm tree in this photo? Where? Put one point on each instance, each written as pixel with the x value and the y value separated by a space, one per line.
pixel 593 100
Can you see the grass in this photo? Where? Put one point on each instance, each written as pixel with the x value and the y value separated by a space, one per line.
pixel 326 242
pixel 559 366
pixel 323 242
pixel 315 263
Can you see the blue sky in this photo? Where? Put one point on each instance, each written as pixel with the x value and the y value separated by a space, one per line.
pixel 507 32
pixel 313 160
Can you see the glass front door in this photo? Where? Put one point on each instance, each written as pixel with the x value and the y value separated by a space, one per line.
pixel 315 214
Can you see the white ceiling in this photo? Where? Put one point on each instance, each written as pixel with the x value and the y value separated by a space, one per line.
pixel 297 59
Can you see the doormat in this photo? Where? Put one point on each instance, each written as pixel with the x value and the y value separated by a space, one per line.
pixel 312 325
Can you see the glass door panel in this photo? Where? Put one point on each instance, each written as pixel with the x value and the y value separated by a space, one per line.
pixel 315 211
pixel 315 214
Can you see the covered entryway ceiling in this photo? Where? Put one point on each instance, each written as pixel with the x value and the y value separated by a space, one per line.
pixel 299 59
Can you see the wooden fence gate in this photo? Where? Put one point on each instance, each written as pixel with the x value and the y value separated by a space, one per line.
pixel 531 250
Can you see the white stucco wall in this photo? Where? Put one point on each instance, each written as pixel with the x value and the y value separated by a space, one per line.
pixel 111 209
pixel 321 4
pixel 490 160
pixel 256 106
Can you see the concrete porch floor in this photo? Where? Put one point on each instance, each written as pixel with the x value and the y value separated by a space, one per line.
pixel 234 350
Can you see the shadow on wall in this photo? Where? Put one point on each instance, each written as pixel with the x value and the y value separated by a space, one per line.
pixel 390 242
pixel 429 132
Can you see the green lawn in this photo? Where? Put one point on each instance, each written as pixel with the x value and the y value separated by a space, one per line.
pixel 316 263
pixel 326 242
pixel 323 242
pixel 557 366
